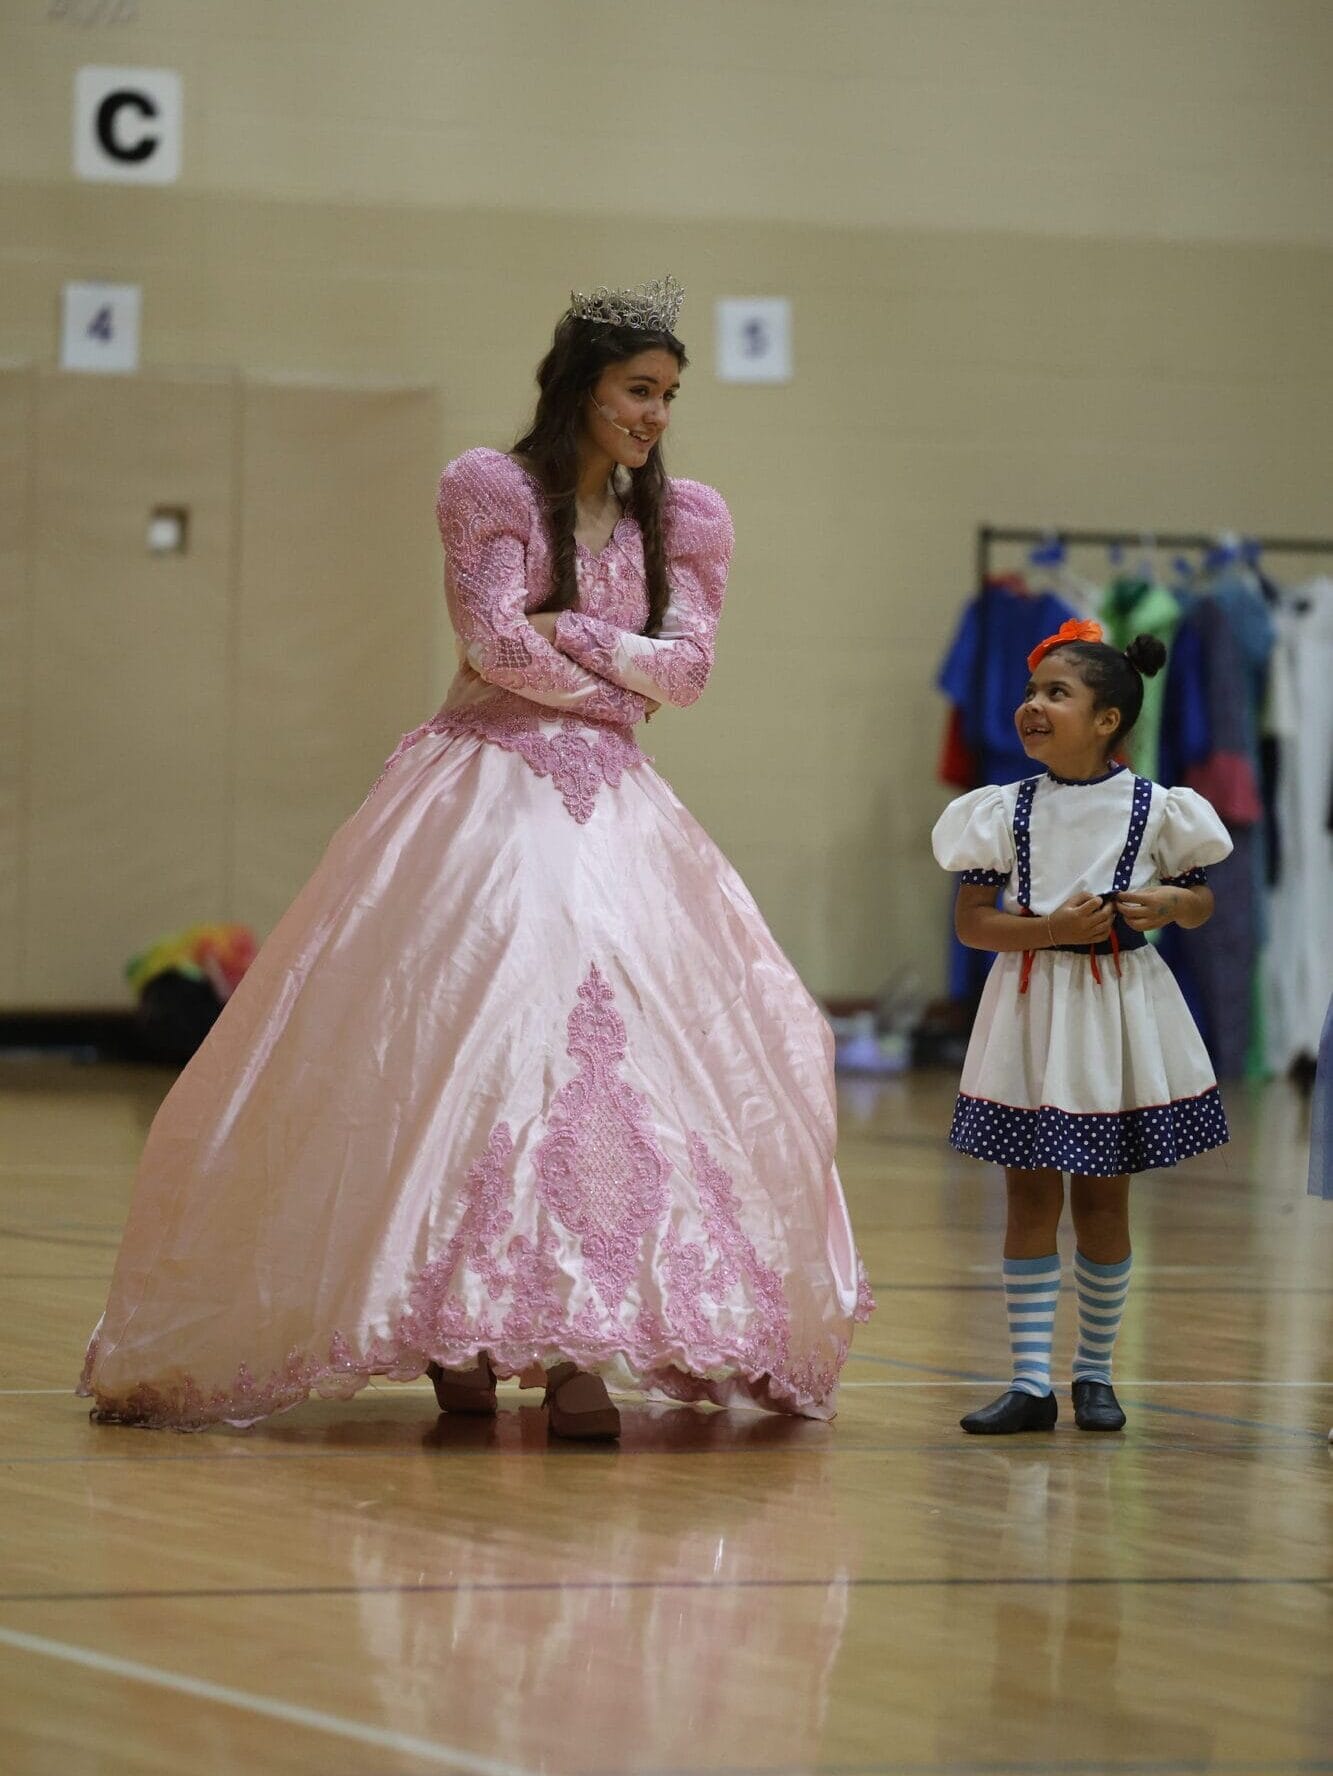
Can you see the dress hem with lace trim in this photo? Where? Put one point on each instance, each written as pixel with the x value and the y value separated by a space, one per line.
pixel 667 1368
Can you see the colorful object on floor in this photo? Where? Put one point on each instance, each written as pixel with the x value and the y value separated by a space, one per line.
pixel 219 954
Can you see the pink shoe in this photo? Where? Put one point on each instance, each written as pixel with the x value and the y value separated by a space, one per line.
pixel 579 1405
pixel 469 1391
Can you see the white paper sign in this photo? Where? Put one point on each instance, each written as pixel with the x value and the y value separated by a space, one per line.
pixel 127 125
pixel 100 329
pixel 754 339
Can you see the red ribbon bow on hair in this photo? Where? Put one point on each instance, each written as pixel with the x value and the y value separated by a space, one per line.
pixel 1074 630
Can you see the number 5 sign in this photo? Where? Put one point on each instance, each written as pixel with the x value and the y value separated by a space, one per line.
pixel 754 339
pixel 101 327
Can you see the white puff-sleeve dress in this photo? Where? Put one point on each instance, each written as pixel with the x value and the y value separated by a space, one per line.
pixel 1083 1060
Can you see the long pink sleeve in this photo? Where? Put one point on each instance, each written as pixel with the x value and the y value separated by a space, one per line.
pixel 673 666
pixel 485 520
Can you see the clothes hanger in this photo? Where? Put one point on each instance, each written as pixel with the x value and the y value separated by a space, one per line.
pixel 1147 562
pixel 1051 556
pixel 1225 553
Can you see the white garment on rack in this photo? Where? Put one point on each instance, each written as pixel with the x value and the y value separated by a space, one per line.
pixel 1298 959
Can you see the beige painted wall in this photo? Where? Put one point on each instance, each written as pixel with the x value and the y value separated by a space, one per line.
pixel 1044 271
pixel 1175 119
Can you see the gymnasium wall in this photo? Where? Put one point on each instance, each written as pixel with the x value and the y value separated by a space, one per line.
pixel 1050 263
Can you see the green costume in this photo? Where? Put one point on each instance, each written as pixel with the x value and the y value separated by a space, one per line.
pixel 1136 607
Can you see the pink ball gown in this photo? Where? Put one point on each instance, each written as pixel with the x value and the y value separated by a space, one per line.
pixel 521 1069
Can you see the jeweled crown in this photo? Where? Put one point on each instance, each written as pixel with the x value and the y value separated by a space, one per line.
pixel 651 308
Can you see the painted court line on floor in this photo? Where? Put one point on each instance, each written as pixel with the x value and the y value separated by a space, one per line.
pixel 1140 1270
pixel 48 1168
pixel 1141 1287
pixel 1240 1381
pixel 1074 1766
pixel 550 1587
pixel 446 1757
pixel 1183 1381
pixel 1285 1442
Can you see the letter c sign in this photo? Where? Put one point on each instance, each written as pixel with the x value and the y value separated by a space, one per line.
pixel 127 125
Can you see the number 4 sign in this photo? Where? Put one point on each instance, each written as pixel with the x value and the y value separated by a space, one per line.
pixel 101 327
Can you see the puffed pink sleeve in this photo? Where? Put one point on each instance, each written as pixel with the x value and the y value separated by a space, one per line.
pixel 673 665
pixel 485 518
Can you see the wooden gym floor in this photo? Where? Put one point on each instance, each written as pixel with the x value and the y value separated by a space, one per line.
pixel 362 1589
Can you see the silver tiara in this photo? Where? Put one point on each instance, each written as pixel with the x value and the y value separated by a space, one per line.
pixel 652 308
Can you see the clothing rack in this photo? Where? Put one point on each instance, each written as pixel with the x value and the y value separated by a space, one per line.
pixel 988 535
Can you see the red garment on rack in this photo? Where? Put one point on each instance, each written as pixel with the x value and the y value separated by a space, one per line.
pixel 958 764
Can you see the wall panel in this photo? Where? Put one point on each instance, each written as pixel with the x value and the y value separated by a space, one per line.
pixel 16 419
pixel 339 584
pixel 130 676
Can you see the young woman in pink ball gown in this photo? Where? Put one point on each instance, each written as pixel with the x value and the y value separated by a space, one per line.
pixel 521 1084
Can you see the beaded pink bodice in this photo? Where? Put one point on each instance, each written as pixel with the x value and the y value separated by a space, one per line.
pixel 568 706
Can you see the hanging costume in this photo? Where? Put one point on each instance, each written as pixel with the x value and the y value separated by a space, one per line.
pixel 1137 607
pixel 1298 959
pixel 983 676
pixel 1235 631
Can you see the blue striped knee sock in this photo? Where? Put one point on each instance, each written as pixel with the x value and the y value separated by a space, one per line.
pixel 1031 1291
pixel 1102 1292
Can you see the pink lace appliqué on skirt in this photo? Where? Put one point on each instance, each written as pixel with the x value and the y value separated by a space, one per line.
pixel 709 1312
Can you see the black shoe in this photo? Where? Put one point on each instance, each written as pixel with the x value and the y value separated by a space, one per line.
pixel 1014 1411
pixel 1096 1407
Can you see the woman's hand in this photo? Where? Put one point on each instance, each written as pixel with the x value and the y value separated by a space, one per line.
pixel 544 623
pixel 1148 909
pixel 1083 919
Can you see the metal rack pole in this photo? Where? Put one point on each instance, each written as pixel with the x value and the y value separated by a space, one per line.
pixel 988 535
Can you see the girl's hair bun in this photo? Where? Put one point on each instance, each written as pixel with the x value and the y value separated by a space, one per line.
pixel 1146 655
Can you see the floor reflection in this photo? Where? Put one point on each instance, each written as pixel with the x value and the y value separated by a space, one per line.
pixel 1064 1679
pixel 605 1626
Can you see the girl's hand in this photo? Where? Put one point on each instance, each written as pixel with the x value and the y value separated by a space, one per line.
pixel 1148 909
pixel 1083 919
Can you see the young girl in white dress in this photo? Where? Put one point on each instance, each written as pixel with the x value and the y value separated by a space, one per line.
pixel 1084 1058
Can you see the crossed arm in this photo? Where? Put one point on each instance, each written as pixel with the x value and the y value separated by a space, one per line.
pixel 545 624
pixel 569 660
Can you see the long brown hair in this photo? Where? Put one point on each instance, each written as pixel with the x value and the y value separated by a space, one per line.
pixel 566 376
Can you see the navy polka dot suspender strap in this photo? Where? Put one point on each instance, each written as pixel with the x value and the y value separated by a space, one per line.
pixel 1023 838
pixel 1138 825
pixel 1023 864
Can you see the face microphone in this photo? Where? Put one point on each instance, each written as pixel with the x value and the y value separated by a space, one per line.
pixel 609 416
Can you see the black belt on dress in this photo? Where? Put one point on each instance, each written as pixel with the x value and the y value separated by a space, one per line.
pixel 1126 938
